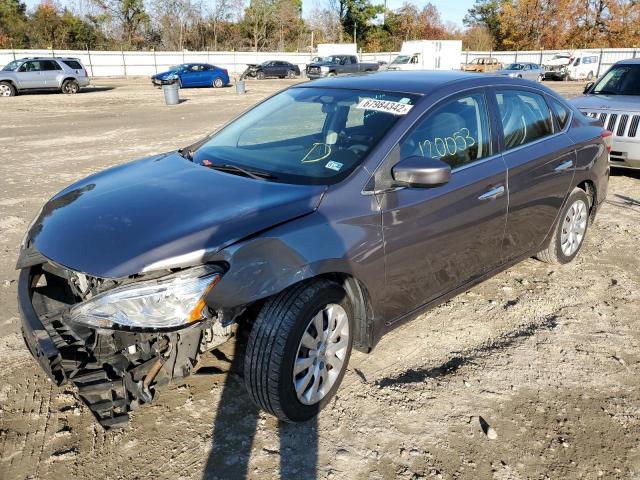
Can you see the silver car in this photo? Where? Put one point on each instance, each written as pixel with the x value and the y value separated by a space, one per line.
pixel 43 73
pixel 614 99
pixel 528 71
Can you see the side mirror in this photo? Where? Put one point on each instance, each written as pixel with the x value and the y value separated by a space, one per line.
pixel 587 87
pixel 421 172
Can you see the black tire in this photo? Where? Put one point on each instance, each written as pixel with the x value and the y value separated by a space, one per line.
pixel 218 82
pixel 260 75
pixel 331 74
pixel 7 89
pixel 554 253
pixel 272 348
pixel 589 76
pixel 70 87
pixel 291 74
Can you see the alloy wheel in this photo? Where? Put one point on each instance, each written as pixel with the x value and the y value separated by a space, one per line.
pixel 5 90
pixel 573 227
pixel 321 354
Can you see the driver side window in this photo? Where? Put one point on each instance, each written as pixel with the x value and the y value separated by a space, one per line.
pixel 457 132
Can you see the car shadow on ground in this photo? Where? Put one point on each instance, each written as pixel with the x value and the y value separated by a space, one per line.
pixel 83 91
pixel 236 424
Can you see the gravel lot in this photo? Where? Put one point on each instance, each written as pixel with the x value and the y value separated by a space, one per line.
pixel 548 357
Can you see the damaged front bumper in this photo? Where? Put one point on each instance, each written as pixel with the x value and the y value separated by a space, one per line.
pixel 114 370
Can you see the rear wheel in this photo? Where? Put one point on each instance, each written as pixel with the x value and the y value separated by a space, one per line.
pixel 7 89
pixel 260 75
pixel 298 350
pixel 540 78
pixel 70 87
pixel 218 82
pixel 570 230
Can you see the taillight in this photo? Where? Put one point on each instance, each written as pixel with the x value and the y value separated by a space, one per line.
pixel 225 71
pixel 607 137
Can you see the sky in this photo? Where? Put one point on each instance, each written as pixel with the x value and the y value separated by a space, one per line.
pixel 450 10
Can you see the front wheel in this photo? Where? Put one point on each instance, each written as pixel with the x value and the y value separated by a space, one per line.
pixel 7 89
pixel 570 230
pixel 291 74
pixel 540 78
pixel 331 74
pixel 298 350
pixel 260 75
pixel 590 76
pixel 70 87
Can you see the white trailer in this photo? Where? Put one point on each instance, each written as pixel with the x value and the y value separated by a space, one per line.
pixel 326 49
pixel 428 55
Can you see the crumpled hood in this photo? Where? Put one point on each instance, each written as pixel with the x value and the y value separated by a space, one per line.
pixel 117 222
pixel 163 75
pixel 623 103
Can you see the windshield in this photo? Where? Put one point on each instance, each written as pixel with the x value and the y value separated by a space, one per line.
pixel 401 60
pixel 332 59
pixel 515 66
pixel 306 135
pixel 10 67
pixel 620 80
pixel 561 57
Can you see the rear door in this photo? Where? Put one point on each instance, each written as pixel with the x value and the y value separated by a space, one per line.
pixel 439 238
pixel 541 160
pixel 51 70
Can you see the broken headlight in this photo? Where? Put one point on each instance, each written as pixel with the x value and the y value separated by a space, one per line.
pixel 163 303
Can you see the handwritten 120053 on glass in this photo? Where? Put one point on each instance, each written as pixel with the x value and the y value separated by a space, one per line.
pixel 319 220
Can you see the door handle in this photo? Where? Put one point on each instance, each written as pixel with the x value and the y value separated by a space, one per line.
pixel 564 166
pixel 493 193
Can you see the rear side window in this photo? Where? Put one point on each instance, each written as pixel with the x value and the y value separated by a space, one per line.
pixel 525 117
pixel 50 65
pixel 73 64
pixel 456 132
pixel 560 112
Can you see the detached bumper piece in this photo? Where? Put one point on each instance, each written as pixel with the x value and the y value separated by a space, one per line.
pixel 114 371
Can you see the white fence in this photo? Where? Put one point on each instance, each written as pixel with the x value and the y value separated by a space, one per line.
pixel 117 63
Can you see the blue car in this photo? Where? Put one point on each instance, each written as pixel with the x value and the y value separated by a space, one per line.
pixel 193 75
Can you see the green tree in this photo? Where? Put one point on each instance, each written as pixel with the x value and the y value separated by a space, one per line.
pixel 129 15
pixel 357 16
pixel 13 24
pixel 487 13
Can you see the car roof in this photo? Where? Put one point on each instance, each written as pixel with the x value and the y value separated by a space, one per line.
pixel 629 61
pixel 24 59
pixel 417 82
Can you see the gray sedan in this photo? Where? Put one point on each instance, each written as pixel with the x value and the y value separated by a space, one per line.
pixel 528 71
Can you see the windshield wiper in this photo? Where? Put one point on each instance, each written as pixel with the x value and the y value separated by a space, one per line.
pixel 255 174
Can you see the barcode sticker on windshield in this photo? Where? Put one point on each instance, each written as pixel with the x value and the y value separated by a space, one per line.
pixel 395 108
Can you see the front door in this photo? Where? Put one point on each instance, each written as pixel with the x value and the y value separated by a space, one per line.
pixel 30 75
pixel 541 165
pixel 438 238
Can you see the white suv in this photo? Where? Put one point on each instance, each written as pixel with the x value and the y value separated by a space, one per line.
pixel 43 73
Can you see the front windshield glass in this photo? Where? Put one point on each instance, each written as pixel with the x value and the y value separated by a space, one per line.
pixel 306 135
pixel 10 67
pixel 620 80
pixel 515 66
pixel 560 57
pixel 332 59
pixel 401 60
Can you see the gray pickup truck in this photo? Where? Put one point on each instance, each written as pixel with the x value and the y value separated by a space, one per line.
pixel 338 65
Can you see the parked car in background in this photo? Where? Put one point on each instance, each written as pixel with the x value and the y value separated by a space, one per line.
pixel 557 67
pixel 193 75
pixel 482 64
pixel 271 68
pixel 614 100
pixel 339 64
pixel 317 221
pixel 528 71
pixel 584 66
pixel 43 73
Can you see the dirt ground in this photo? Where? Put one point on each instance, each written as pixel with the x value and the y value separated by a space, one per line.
pixel 548 357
